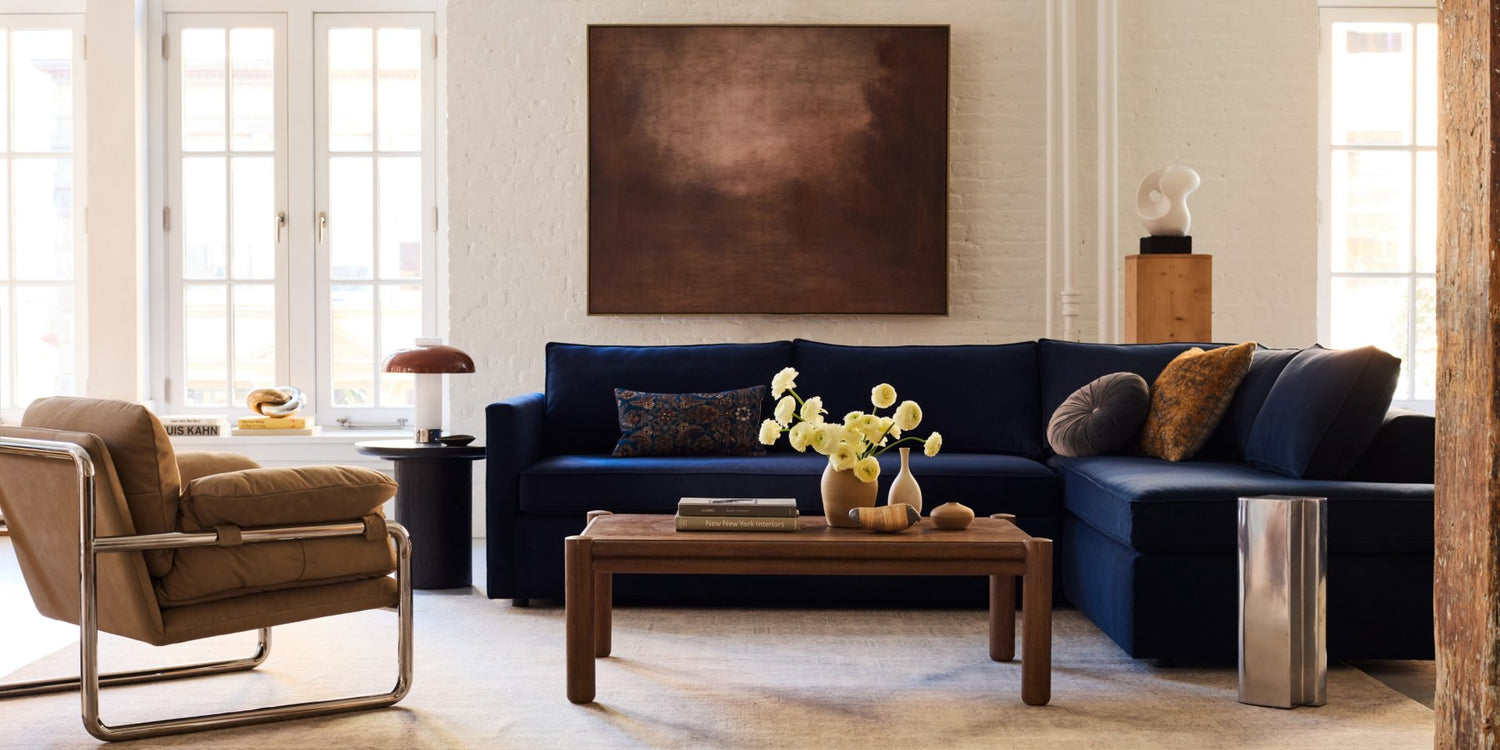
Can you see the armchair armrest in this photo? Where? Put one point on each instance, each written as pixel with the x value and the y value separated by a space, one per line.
pixel 513 439
pixel 194 464
pixel 283 497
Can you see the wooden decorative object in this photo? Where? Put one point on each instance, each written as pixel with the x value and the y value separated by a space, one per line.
pixel 768 169
pixel 886 518
pixel 952 516
pixel 1168 298
pixel 1467 585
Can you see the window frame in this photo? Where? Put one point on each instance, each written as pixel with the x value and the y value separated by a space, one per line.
pixel 304 296
pixel 73 22
pixel 1369 11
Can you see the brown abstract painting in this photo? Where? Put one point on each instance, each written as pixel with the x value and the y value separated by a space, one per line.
pixel 768 169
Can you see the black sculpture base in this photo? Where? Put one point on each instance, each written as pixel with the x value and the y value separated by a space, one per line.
pixel 1167 245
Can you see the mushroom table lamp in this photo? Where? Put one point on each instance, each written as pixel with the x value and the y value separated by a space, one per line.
pixel 429 360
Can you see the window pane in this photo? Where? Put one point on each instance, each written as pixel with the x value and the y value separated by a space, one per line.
pixel 350 90
pixel 400 325
pixel 1372 83
pixel 42 79
pixel 254 200
pixel 254 339
pixel 1427 84
pixel 351 230
pixel 352 346
pixel 400 94
pixel 7 381
pixel 1371 210
pixel 1423 366
pixel 205 344
pixel 4 105
pixel 202 105
pixel 1427 199
pixel 4 220
pixel 43 198
pixel 252 56
pixel 44 342
pixel 1372 312
pixel 401 217
pixel 204 218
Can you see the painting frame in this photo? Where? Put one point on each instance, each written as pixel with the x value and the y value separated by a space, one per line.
pixel 768 169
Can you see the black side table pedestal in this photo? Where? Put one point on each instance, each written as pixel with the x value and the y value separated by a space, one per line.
pixel 434 495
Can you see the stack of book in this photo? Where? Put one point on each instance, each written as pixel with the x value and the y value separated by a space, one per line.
pixel 195 425
pixel 268 426
pixel 737 514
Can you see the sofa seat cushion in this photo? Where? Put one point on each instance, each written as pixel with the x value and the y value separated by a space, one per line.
pixel 1157 506
pixel 573 485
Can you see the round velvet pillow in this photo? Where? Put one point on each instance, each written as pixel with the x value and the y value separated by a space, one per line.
pixel 1100 417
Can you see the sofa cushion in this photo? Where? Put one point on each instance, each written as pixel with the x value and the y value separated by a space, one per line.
pixel 1066 365
pixel 1156 506
pixel 573 485
pixel 726 423
pixel 1233 433
pixel 581 381
pixel 1101 417
pixel 1323 411
pixel 1189 398
pixel 1404 450
pixel 983 398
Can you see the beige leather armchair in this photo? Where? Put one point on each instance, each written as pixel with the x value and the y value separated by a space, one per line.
pixel 115 532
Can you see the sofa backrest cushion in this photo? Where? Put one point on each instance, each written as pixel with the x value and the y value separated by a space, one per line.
pixel 1322 412
pixel 1233 434
pixel 582 415
pixel 982 397
pixel 1066 366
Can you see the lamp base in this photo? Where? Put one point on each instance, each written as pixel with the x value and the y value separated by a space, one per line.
pixel 429 435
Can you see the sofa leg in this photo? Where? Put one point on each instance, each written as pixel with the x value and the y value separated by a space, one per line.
pixel 520 601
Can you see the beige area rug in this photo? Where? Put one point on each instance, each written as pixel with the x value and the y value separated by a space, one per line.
pixel 491 676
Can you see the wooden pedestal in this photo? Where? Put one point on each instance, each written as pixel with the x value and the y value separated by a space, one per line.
pixel 1168 298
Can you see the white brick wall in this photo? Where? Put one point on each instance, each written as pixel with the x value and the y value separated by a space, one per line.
pixel 1226 87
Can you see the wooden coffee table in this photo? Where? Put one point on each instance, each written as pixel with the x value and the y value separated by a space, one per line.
pixel 992 547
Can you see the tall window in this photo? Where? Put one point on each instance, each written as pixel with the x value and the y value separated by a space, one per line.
pixel 299 211
pixel 42 308
pixel 1378 160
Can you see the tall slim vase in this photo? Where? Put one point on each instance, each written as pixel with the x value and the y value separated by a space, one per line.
pixel 904 488
pixel 843 492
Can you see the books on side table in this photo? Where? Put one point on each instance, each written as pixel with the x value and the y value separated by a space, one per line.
pixel 736 514
pixel 268 426
pixel 195 425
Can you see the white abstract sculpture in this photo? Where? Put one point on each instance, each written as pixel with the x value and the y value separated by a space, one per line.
pixel 1161 200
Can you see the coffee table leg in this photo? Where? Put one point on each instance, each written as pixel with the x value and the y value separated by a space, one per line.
pixel 1036 624
pixel 604 586
pixel 580 608
pixel 1002 617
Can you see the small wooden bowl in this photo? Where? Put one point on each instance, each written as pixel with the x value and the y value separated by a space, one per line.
pixel 952 516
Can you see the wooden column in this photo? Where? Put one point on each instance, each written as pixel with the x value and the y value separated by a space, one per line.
pixel 1169 297
pixel 1468 410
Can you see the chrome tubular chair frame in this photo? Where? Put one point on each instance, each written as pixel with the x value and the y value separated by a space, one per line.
pixel 90 546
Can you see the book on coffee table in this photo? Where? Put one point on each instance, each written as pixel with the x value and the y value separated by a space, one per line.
pixel 781 507
pixel 736 523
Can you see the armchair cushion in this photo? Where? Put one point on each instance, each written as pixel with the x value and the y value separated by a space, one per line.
pixel 272 497
pixel 195 464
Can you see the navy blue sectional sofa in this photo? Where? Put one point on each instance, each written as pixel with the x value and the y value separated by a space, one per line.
pixel 1146 548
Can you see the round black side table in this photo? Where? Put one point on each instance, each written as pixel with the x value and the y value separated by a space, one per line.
pixel 434 492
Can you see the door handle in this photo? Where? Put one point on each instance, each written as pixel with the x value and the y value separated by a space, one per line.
pixel 280 224
pixel 322 226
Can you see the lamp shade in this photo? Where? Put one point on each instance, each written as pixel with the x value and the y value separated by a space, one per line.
pixel 438 358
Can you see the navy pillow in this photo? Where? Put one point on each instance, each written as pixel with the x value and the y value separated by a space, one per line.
pixel 1233 433
pixel 1323 412
pixel 982 397
pixel 582 416
pixel 690 424
pixel 1067 366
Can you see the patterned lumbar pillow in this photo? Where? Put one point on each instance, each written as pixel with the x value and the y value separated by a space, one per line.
pixel 1189 398
pixel 1101 417
pixel 689 424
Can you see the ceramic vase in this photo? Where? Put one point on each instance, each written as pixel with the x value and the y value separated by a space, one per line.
pixel 904 488
pixel 952 516
pixel 843 492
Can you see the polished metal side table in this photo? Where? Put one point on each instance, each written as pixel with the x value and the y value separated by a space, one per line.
pixel 434 495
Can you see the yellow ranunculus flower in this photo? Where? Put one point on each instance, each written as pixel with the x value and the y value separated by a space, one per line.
pixel 853 436
pixel 867 470
pixel 824 437
pixel 843 457
pixel 933 444
pixel 769 431
pixel 908 415
pixel 883 395
pixel 812 410
pixel 852 417
pixel 783 382
pixel 801 436
pixel 785 408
